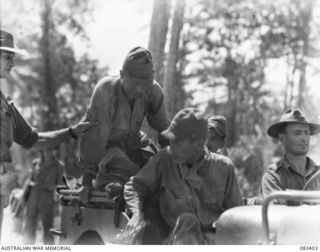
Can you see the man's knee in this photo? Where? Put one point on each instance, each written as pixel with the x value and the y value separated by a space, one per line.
pixel 115 167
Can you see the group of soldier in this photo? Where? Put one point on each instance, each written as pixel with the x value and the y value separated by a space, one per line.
pixel 174 194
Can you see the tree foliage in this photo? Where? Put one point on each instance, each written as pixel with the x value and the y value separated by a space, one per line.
pixel 58 83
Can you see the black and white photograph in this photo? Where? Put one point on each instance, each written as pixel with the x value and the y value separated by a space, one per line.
pixel 160 122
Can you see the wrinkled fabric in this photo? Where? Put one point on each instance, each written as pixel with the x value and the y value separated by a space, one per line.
pixel 119 122
pixel 187 231
pixel 6 136
pixel 13 128
pixel 124 159
pixel 206 189
pixel 281 176
pixel 313 184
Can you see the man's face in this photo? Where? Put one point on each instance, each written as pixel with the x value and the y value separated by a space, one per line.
pixel 296 139
pixel 6 63
pixel 184 150
pixel 214 141
pixel 136 87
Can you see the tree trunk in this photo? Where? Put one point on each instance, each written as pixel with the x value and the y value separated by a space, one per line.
pixel 170 75
pixel 158 35
pixel 157 41
pixel 305 31
pixel 50 111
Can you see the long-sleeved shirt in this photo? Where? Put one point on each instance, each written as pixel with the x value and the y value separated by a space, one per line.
pixel 118 120
pixel 281 176
pixel 207 189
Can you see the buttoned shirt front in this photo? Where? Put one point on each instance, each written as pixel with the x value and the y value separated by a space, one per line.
pixel 207 189
pixel 282 175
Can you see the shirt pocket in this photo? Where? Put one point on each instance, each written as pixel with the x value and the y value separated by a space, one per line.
pixel 213 200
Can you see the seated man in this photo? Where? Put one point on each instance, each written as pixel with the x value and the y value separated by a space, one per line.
pixel 295 168
pixel 120 105
pixel 216 139
pixel 194 186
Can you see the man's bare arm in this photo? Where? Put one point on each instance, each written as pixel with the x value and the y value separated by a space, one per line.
pixel 50 139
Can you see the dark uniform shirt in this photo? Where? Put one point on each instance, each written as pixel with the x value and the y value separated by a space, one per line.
pixel 281 176
pixel 47 174
pixel 13 128
pixel 206 189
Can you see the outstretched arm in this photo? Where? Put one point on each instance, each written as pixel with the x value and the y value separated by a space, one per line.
pixel 28 137
pixel 51 139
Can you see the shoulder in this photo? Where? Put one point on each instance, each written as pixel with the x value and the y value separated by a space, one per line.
pixel 221 160
pixel 275 167
pixel 221 165
pixel 272 172
pixel 105 91
pixel 107 83
pixel 155 89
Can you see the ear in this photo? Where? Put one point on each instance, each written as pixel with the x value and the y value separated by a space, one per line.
pixel 200 143
pixel 121 73
pixel 281 137
pixel 224 142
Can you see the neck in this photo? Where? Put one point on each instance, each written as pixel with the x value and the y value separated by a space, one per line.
pixel 298 162
pixel 196 158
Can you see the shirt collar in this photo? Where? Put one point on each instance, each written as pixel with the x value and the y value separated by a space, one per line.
pixel 312 167
pixel 195 167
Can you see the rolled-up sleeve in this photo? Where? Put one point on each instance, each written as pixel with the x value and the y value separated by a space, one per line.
pixel 93 143
pixel 271 183
pixel 157 115
pixel 23 133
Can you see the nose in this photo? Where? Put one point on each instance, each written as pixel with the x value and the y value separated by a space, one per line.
pixel 305 138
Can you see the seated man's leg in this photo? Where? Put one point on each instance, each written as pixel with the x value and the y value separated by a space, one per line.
pixel 141 149
pixel 116 172
pixel 187 230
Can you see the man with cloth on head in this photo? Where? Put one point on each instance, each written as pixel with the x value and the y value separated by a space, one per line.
pixel 117 149
pixel 194 185
pixel 295 168
pixel 217 126
pixel 14 128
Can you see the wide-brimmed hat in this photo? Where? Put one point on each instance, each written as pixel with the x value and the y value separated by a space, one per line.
pixel 7 43
pixel 187 123
pixel 292 116
pixel 138 63
pixel 219 124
